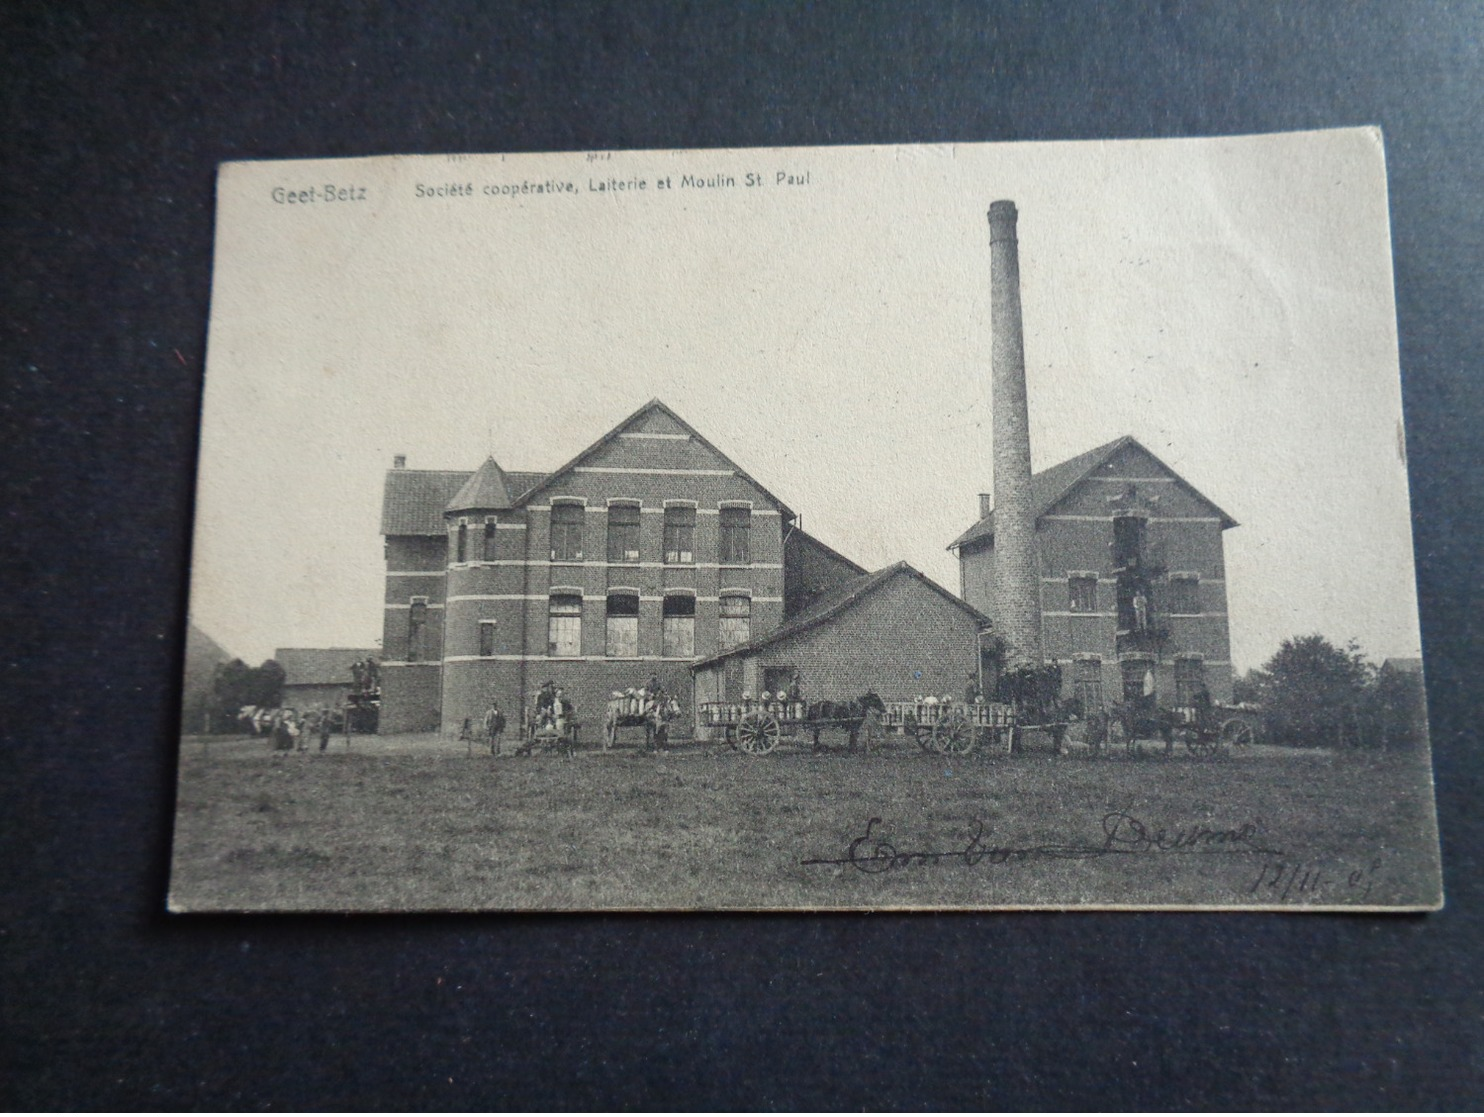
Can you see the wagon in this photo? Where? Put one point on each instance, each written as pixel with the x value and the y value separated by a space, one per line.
pixel 540 730
pixel 630 712
pixel 1222 731
pixel 759 727
pixel 958 728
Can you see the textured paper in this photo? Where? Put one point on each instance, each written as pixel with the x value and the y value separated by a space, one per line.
pixel 821 315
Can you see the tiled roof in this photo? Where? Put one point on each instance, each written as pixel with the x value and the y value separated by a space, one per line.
pixel 414 500
pixel 319 666
pixel 1050 485
pixel 842 598
pixel 485 490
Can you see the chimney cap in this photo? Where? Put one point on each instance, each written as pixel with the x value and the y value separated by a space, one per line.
pixel 1003 210
pixel 399 461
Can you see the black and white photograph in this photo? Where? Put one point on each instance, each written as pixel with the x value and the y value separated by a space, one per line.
pixel 971 526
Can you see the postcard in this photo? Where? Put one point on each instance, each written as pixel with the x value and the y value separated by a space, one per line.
pixel 971 526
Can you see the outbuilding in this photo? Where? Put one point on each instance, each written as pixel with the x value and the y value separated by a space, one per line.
pixel 895 632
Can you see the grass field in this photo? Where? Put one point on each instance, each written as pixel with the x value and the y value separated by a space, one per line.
pixel 419 824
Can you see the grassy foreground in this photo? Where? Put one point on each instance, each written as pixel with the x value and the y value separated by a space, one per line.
pixel 429 827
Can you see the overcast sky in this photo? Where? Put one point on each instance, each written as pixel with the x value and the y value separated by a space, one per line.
pixel 1227 302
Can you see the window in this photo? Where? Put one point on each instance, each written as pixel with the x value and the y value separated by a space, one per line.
pixel 486 637
pixel 489 540
pixel 1185 594
pixel 1087 683
pixel 623 533
pixel 1128 542
pixel 566 532
pixel 1138 677
pixel 623 625
pixel 1190 677
pixel 736 621
pixel 736 536
pixel 678 627
pixel 417 630
pixel 461 552
pixel 564 630
pixel 680 531
pixel 1082 594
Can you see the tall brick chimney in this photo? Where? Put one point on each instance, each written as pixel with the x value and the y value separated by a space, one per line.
pixel 1017 577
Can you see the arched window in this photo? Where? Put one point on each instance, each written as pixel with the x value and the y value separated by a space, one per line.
pixel 623 533
pixel 623 625
pixel 736 536
pixel 736 621
pixel 678 627
pixel 564 625
pixel 566 532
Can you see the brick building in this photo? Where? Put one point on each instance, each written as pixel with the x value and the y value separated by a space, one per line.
pixel 314 678
pixel 647 551
pixel 896 632
pixel 1132 577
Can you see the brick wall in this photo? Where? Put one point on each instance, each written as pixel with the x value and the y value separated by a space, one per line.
pixel 410 698
pixel 903 640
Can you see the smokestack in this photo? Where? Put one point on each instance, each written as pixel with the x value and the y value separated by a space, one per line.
pixel 1017 574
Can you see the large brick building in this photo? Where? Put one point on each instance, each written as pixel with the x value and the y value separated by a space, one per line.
pixel 647 551
pixel 896 632
pixel 1132 577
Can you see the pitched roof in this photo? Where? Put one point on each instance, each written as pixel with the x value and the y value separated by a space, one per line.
pixel 838 601
pixel 486 489
pixel 814 541
pixel 652 405
pixel 319 666
pixel 414 500
pixel 1407 665
pixel 1050 485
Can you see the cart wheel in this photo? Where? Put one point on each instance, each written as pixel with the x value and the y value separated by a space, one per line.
pixel 610 733
pixel 954 735
pixel 1237 733
pixel 922 731
pixel 758 734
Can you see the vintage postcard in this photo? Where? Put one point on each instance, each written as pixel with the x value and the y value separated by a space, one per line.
pixel 967 526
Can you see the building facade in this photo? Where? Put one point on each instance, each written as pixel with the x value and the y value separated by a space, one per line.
pixel 895 632
pixel 647 551
pixel 318 678
pixel 1132 577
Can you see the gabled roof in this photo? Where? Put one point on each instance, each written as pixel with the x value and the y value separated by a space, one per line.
pixel 1050 485
pixel 651 406
pixel 814 541
pixel 319 666
pixel 837 602
pixel 486 490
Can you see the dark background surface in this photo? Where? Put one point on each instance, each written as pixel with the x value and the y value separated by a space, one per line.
pixel 115 121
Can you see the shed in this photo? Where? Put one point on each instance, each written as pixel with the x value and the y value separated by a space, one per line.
pixel 896 632
pixel 317 677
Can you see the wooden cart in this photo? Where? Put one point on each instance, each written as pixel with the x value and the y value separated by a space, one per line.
pixel 757 728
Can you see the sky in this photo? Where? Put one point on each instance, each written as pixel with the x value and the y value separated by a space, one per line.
pixel 1228 302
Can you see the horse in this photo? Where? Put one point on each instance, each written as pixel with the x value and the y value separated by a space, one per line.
pixel 1134 722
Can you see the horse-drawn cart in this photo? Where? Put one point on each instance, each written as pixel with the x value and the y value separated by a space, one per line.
pixel 1206 732
pixel 627 711
pixel 758 728
pixel 542 729
pixel 959 728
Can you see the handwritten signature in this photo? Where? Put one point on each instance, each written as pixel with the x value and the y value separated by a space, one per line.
pixel 1123 835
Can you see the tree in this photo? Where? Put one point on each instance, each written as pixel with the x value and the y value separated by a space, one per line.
pixel 267 684
pixel 1314 693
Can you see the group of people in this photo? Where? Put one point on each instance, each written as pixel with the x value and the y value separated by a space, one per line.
pixel 554 711
pixel 291 730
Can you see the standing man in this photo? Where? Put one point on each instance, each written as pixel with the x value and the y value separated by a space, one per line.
pixel 494 726
pixel 325 725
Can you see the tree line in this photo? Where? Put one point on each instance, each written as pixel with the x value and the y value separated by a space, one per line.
pixel 234 685
pixel 1314 694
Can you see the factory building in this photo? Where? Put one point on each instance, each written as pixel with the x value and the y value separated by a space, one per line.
pixel 1132 577
pixel 646 552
